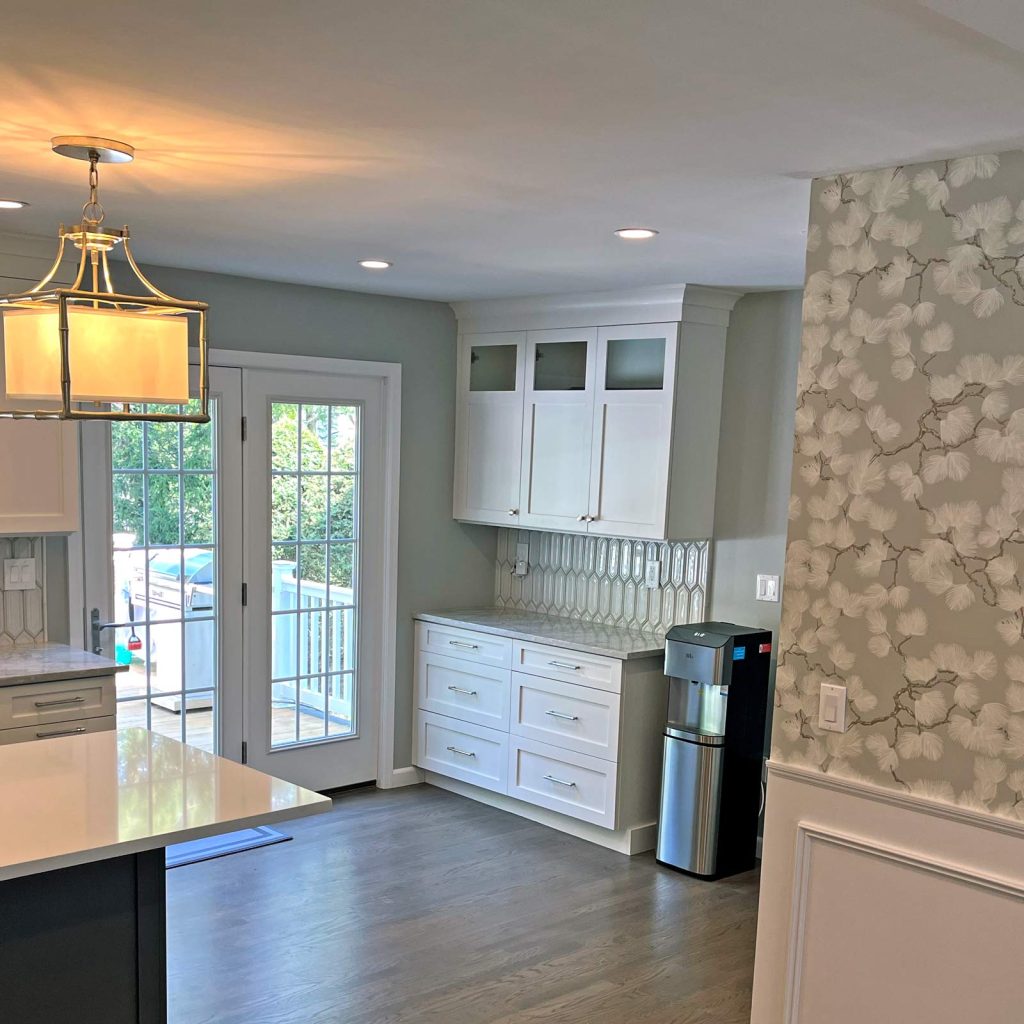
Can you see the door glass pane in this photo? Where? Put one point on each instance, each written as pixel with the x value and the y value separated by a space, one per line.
pixel 635 364
pixel 165 576
pixel 492 368
pixel 560 366
pixel 314 556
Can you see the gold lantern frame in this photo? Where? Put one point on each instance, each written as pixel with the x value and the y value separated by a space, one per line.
pixel 95 243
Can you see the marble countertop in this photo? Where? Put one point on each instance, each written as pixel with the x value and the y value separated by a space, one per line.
pixel 572 634
pixel 42 663
pixel 85 798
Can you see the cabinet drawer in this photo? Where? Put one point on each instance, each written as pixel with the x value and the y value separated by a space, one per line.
pixel 482 648
pixel 65 700
pixel 462 750
pixel 567 715
pixel 569 666
pixel 562 780
pixel 462 690
pixel 56 730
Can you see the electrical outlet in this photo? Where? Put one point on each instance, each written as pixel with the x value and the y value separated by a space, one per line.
pixel 652 574
pixel 767 588
pixel 832 707
pixel 522 566
pixel 19 574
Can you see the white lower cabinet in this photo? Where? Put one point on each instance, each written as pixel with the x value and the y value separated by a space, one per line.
pixel 462 750
pixel 60 707
pixel 574 733
pixel 57 729
pixel 562 780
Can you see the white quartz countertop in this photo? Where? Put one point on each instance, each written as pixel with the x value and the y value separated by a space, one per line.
pixel 85 798
pixel 588 637
pixel 42 663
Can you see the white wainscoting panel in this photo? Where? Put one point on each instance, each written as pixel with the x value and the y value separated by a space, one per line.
pixel 881 910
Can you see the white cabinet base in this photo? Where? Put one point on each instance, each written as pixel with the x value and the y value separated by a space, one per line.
pixel 630 841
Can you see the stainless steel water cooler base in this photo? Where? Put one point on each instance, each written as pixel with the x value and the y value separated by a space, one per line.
pixel 691 785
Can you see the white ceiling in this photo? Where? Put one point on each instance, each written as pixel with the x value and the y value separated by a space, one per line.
pixel 490 147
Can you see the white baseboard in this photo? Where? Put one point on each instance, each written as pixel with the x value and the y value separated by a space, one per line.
pixel 400 777
pixel 629 841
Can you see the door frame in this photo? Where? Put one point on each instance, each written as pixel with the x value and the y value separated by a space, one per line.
pixel 390 375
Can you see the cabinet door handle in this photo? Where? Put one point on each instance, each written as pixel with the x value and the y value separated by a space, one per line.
pixel 58 703
pixel 464 753
pixel 513 511
pixel 60 732
pixel 459 689
pixel 562 714
pixel 463 644
pixel 560 782
pixel 565 664
pixel 582 518
pixel 591 519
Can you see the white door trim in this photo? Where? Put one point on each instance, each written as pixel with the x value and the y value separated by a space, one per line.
pixel 391 376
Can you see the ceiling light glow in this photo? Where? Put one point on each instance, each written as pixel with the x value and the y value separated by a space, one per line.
pixel 12 204
pixel 636 234
pixel 375 264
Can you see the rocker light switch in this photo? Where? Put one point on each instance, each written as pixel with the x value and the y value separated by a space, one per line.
pixel 19 574
pixel 767 588
pixel 832 708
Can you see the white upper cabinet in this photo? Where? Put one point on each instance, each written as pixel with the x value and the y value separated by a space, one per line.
pixel 38 476
pixel 557 429
pixel 632 438
pixel 489 427
pixel 619 424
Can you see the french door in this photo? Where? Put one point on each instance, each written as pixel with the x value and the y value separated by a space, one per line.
pixel 313 475
pixel 240 581
pixel 163 556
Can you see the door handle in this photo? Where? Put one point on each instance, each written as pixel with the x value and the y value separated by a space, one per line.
pixel 464 753
pixel 582 518
pixel 58 703
pixel 60 732
pixel 463 644
pixel 565 664
pixel 562 714
pixel 459 689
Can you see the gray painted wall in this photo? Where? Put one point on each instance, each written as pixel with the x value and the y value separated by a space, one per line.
pixel 755 455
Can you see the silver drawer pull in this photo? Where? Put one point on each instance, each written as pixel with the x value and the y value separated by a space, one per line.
pixel 60 732
pixel 462 643
pixel 459 689
pixel 565 664
pixel 562 714
pixel 464 753
pixel 561 782
pixel 58 703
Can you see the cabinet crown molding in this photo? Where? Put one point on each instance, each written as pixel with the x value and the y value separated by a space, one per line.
pixel 686 303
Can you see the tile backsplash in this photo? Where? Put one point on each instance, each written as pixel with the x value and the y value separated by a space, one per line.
pixel 601 579
pixel 23 612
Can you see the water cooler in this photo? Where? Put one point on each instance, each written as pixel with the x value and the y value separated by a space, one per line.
pixel 714 747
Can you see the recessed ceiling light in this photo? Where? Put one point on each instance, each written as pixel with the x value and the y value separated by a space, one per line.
pixel 634 234
pixel 12 204
pixel 375 264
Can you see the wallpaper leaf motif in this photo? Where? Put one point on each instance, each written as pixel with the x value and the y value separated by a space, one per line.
pixel 905 565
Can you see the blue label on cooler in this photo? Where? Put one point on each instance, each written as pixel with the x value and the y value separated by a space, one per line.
pixel 739 653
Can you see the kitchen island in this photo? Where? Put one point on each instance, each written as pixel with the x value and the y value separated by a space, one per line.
pixel 84 821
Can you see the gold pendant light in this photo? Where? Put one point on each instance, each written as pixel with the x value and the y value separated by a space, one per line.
pixel 86 351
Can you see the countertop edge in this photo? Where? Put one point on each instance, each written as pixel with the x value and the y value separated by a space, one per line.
pixel 156 842
pixel 519 634
pixel 53 676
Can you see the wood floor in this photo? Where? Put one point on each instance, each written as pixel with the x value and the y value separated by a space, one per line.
pixel 417 906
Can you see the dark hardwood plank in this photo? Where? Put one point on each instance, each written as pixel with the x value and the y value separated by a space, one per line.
pixel 420 906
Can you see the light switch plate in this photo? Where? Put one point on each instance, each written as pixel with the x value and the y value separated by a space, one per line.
pixel 19 574
pixel 652 574
pixel 832 707
pixel 767 588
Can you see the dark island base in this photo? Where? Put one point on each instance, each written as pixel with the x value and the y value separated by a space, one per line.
pixel 86 944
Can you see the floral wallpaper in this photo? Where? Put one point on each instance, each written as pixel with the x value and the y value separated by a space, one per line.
pixel 905 565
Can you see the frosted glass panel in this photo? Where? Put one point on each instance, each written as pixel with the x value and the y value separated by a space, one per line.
pixel 492 368
pixel 560 366
pixel 635 364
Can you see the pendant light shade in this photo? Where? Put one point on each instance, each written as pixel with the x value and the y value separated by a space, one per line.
pixel 114 356
pixel 88 351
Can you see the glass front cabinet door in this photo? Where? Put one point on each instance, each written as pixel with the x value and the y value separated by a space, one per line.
pixel 489 427
pixel 557 428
